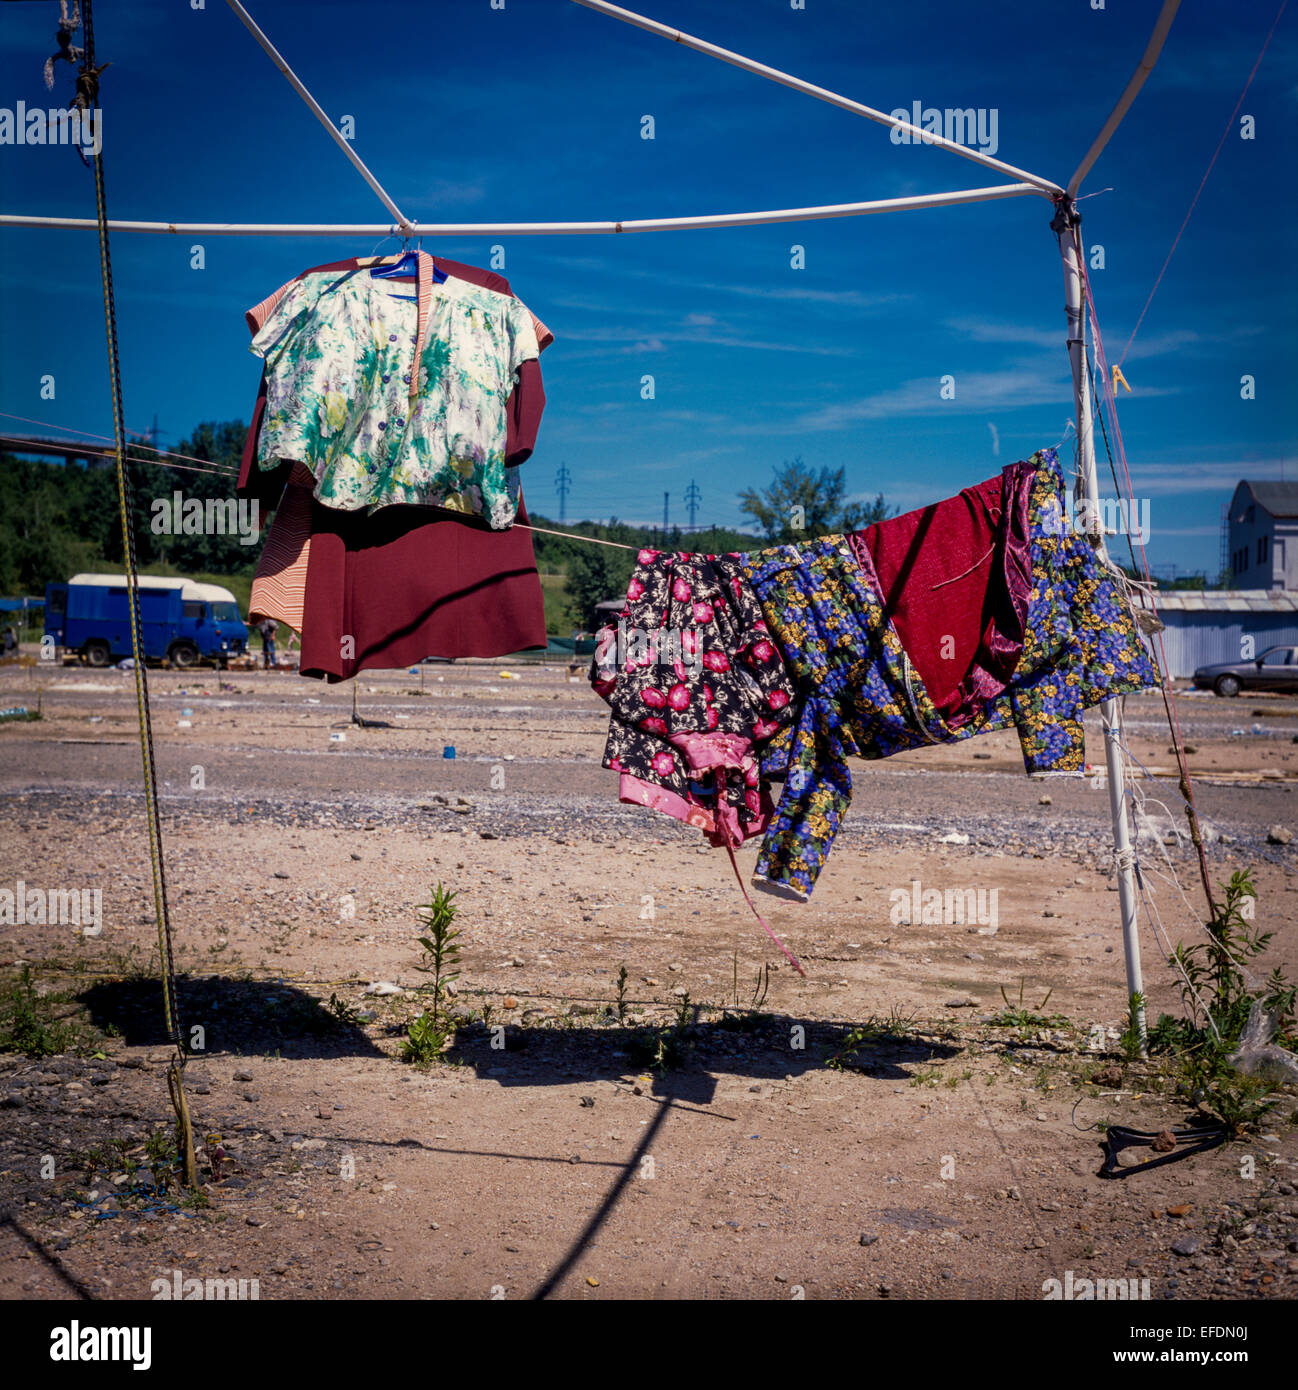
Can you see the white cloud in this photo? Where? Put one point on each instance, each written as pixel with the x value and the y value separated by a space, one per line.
pixel 624 339
pixel 455 192
pixel 975 392
pixel 1151 479
pixel 1158 532
pixel 985 331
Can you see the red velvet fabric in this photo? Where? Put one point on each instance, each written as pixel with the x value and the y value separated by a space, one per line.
pixel 954 578
pixel 411 582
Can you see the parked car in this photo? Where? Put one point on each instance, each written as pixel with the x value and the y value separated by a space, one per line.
pixel 180 620
pixel 1275 669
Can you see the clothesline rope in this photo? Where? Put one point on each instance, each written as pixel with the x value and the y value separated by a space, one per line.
pixel 1171 877
pixel 576 536
pixel 228 472
pixel 88 89
pixel 215 467
pixel 1110 402
pixel 210 465
pixel 1162 940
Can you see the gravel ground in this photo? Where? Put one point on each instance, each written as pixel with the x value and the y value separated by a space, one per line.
pixel 938 1151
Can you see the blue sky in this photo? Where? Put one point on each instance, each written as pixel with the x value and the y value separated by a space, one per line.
pixel 534 113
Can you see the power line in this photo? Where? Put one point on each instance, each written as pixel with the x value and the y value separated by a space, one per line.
pixel 562 483
pixel 210 465
pixel 692 499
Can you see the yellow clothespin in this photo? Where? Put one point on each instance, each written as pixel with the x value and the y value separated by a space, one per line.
pixel 1118 377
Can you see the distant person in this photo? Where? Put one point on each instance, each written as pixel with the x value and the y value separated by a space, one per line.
pixel 10 641
pixel 268 627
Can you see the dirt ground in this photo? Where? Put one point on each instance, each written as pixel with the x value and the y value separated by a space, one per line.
pixel 888 1127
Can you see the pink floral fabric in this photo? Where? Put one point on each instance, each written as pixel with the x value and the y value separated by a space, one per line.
pixel 696 686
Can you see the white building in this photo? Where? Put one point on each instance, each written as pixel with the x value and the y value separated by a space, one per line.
pixel 1263 528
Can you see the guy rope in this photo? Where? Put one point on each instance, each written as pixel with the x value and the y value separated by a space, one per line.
pixel 88 91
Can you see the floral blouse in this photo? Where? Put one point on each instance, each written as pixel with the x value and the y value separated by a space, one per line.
pixel 385 410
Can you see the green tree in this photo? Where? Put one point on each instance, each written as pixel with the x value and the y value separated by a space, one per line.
pixel 53 519
pixel 596 573
pixel 59 518
pixel 803 503
pixel 222 445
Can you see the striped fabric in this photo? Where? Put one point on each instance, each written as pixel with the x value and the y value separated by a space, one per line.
pixel 279 584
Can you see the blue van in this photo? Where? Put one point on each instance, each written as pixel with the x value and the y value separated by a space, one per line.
pixel 181 621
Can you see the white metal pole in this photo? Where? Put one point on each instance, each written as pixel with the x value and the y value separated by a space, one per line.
pixel 1146 65
pixel 1065 225
pixel 339 139
pixel 453 229
pixel 726 55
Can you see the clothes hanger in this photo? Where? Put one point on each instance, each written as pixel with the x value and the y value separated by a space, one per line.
pixel 406 266
pixel 396 268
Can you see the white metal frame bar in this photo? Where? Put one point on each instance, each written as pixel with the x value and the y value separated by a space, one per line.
pixel 451 229
pixel 317 111
pixel 1072 252
pixel 1124 859
pixel 1146 65
pixel 785 79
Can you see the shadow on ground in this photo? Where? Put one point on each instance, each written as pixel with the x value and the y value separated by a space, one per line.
pixel 685 1061
pixel 236 1016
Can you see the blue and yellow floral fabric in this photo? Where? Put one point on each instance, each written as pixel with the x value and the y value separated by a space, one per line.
pixel 861 697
